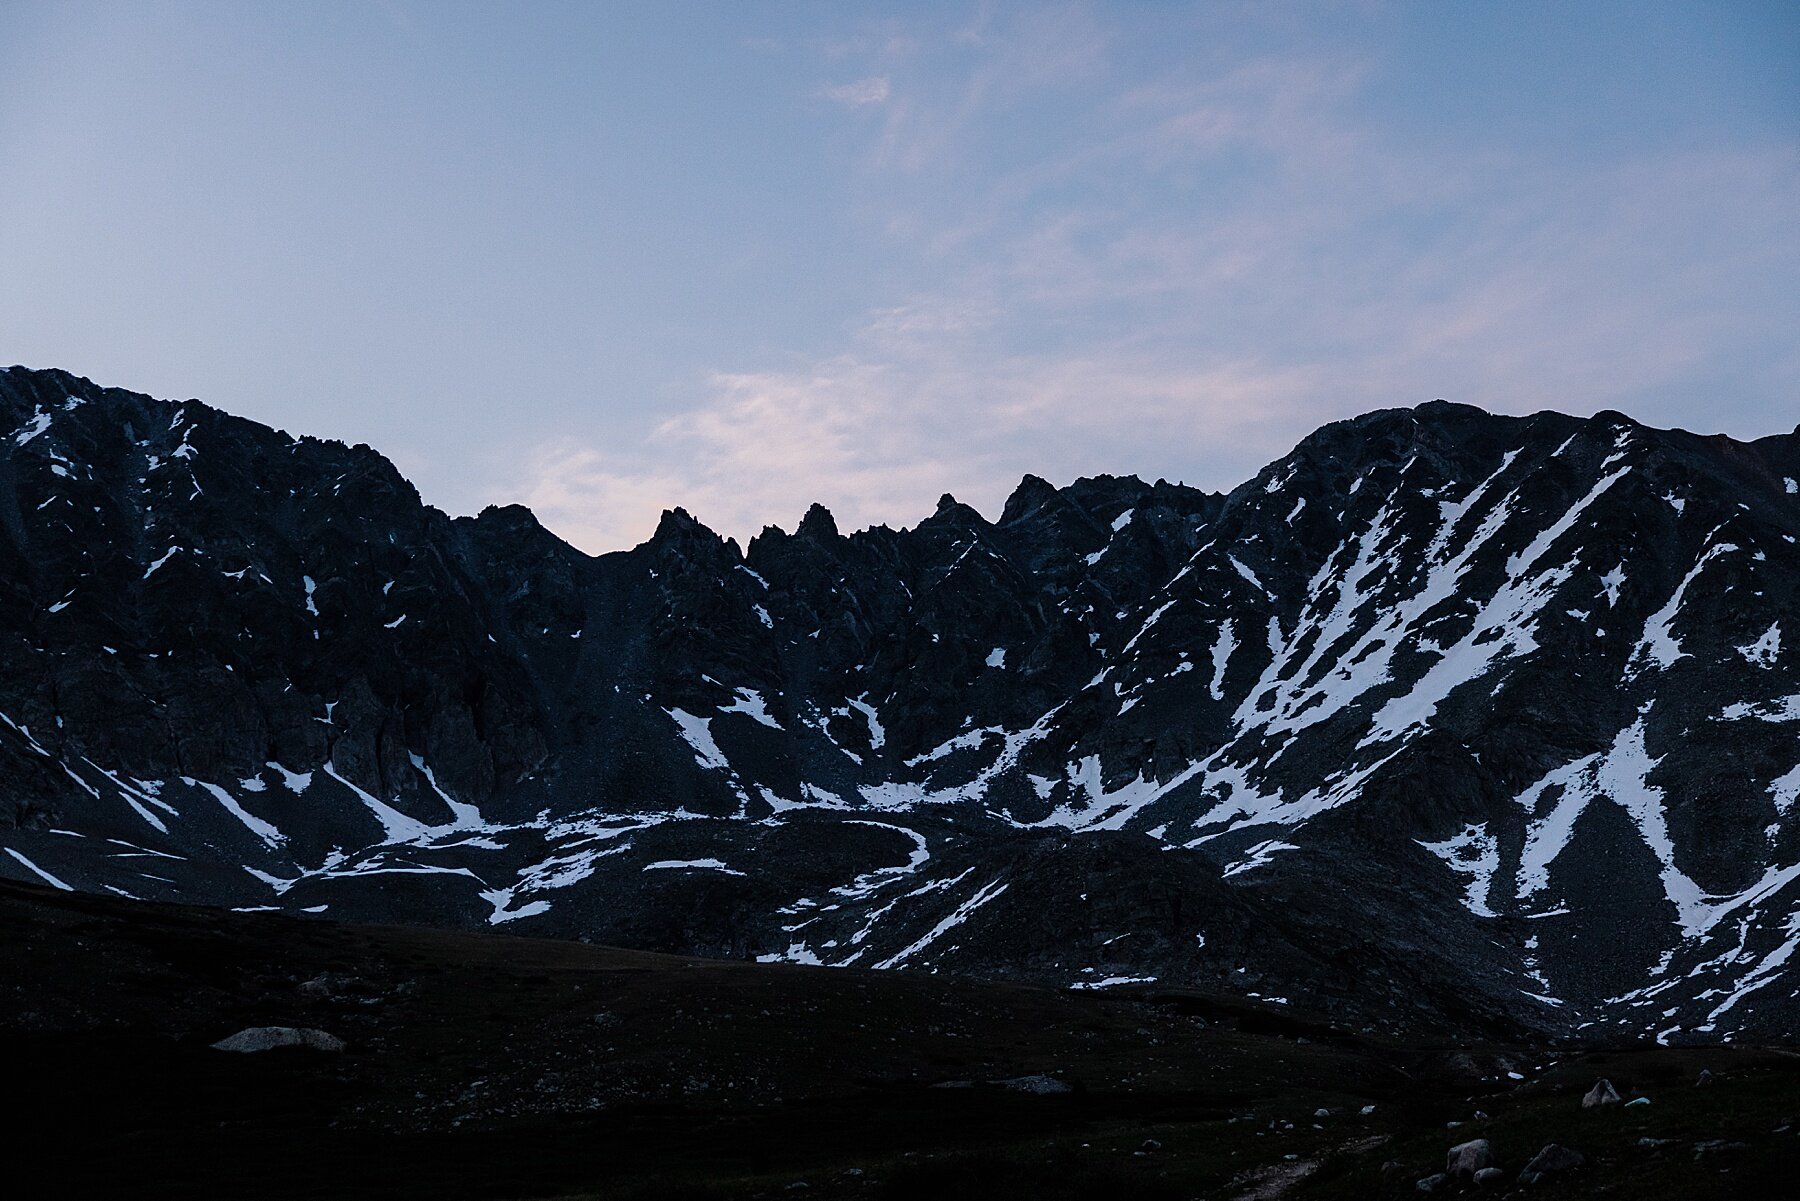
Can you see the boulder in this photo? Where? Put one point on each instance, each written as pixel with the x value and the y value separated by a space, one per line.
pixel 1603 1093
pixel 1489 1176
pixel 1466 1159
pixel 1551 1161
pixel 268 1038
pixel 1431 1184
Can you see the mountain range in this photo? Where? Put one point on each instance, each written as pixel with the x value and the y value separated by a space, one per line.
pixel 1445 721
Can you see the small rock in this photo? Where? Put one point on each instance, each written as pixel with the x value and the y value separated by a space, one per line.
pixel 316 989
pixel 1653 1143
pixel 1603 1093
pixel 1151 1144
pixel 1489 1176
pixel 1553 1159
pixel 1706 1077
pixel 1321 1113
pixel 1430 1183
pixel 1367 1110
pixel 1466 1159
pixel 1637 1101
pixel 268 1038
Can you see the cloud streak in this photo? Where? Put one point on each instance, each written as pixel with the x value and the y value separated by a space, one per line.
pixel 872 90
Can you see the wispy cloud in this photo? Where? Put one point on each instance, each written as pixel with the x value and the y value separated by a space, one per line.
pixel 872 90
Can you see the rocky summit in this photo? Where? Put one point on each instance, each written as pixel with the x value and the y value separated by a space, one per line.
pixel 1444 722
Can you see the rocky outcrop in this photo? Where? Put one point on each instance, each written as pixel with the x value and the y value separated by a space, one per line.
pixel 270 1038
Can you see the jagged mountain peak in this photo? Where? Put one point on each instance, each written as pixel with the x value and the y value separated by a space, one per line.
pixel 818 524
pixel 1032 493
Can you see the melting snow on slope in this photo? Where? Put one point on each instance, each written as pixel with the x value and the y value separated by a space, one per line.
pixel 1764 651
pixel 1659 646
pixel 711 865
pixel 877 734
pixel 1764 973
pixel 1474 853
pixel 1621 775
pixel 40 421
pixel 1785 791
pixel 870 882
pixel 270 836
pixel 750 703
pixel 399 827
pixel 698 733
pixel 961 914
pixel 46 876
pixel 1503 628
pixel 1222 647
pixel 1259 855
pixel 167 555
pixel 1113 982
pixel 1785 708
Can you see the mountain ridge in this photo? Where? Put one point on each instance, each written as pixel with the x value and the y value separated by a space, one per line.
pixel 1441 719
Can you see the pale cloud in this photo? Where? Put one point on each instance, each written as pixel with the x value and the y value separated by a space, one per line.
pixel 878 434
pixel 872 90
pixel 757 450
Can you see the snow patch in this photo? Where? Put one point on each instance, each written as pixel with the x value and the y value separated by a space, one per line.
pixel 1765 650
pixel 711 865
pixel 1474 853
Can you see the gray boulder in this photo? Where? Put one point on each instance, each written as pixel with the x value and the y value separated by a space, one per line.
pixel 268 1038
pixel 1431 1183
pixel 1552 1160
pixel 1489 1176
pixel 1466 1159
pixel 1603 1093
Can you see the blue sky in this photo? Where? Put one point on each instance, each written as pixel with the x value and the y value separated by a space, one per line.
pixel 608 258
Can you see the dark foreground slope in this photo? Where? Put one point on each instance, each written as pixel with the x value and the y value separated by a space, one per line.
pixel 1444 722
pixel 480 1066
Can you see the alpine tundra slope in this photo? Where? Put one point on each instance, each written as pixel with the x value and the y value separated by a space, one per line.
pixel 1444 721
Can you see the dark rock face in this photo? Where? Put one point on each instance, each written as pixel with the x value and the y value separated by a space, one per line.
pixel 1443 720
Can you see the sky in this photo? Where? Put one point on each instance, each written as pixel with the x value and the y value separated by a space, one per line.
pixel 606 259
